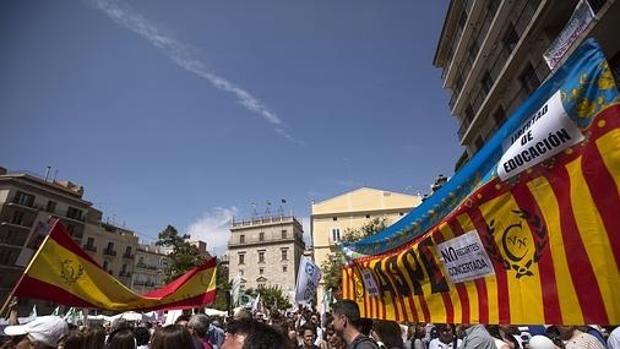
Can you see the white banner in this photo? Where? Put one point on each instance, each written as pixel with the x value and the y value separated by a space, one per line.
pixel 544 134
pixel 464 258
pixel 308 279
pixel 39 231
pixel 370 284
pixel 236 286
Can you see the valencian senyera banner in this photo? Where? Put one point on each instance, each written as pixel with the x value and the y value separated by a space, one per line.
pixel 528 232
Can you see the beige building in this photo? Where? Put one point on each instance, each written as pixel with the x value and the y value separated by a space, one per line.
pixel 265 251
pixel 149 268
pixel 491 56
pixel 332 218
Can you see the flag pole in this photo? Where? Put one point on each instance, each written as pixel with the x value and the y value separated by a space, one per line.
pixel 10 296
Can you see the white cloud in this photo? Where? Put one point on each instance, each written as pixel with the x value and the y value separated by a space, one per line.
pixel 185 56
pixel 213 228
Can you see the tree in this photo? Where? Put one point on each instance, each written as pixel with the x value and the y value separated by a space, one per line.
pixel 223 285
pixel 332 266
pixel 272 297
pixel 183 256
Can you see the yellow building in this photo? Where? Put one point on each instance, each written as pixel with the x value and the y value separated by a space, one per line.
pixel 330 219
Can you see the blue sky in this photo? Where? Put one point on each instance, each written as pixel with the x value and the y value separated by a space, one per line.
pixel 186 112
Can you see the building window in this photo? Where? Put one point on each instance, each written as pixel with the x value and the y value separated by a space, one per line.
pixel 90 242
pixel 401 213
pixel 261 236
pixel 284 255
pixel 261 271
pixel 70 228
pixel 242 239
pixel 261 256
pixel 74 213
pixel 486 82
pixel 529 79
pixel 511 38
pixel 283 234
pixel 499 116
pixel 241 258
pixel 24 199
pixel 335 234
pixel 51 206
pixel 105 265
pixel 334 218
pixel 18 217
pixel 284 268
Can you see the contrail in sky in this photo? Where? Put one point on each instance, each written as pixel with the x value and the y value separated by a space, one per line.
pixel 183 56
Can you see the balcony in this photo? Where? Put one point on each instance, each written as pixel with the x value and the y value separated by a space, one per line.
pixel 129 255
pixel 109 252
pixel 124 274
pixel 90 248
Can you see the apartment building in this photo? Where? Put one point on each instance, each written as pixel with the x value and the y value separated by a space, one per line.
pixel 491 56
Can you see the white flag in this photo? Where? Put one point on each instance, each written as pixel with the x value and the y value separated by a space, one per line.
pixel 236 286
pixel 308 279
pixel 258 305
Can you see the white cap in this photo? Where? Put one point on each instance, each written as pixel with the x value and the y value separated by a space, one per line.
pixel 46 329
pixel 541 342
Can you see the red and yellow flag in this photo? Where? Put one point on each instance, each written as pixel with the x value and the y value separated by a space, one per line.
pixel 536 240
pixel 63 273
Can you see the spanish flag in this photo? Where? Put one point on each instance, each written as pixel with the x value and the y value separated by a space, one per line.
pixel 63 273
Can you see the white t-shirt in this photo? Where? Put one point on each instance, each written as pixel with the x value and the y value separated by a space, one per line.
pixel 613 342
pixel 437 344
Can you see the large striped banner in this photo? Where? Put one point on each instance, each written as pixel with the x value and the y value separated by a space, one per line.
pixel 537 238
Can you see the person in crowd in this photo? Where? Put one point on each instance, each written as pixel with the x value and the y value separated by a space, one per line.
pixel 252 334
pixel 314 321
pixel 387 334
pixel 477 337
pixel 215 334
pixel 242 314
pixel 44 332
pixel 447 338
pixel 346 323
pixel 541 342
pixel 198 326
pixel 95 337
pixel 577 339
pixel 613 341
pixel 502 341
pixel 143 336
pixel 182 320
pixel 76 339
pixel 307 333
pixel 172 337
pixel 122 338
pixel 415 337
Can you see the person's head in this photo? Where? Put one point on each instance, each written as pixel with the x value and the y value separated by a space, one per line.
pixel 182 320
pixel 42 333
pixel 74 340
pixel 265 337
pixel 388 332
pixel 336 342
pixel 121 339
pixel 142 334
pixel 242 314
pixel 541 342
pixel 566 332
pixel 314 318
pixel 198 325
pixel 171 337
pixel 95 337
pixel 494 331
pixel 346 316
pixel 446 333
pixel 308 335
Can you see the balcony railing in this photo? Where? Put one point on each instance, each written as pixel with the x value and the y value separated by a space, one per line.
pixel 91 248
pixel 109 252
pixel 128 255
pixel 124 274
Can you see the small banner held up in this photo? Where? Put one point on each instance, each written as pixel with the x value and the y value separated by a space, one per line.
pixel 63 273
pixel 308 279
pixel 526 233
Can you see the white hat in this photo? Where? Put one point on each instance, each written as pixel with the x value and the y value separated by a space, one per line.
pixel 46 329
pixel 541 342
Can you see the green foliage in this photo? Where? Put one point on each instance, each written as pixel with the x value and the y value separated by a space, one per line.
pixel 223 288
pixel 332 266
pixel 272 297
pixel 183 257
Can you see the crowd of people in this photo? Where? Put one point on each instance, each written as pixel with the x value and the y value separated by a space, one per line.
pixel 302 329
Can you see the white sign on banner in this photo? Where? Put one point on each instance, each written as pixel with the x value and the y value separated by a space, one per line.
pixel 370 284
pixel 307 280
pixel 39 231
pixel 464 258
pixel 541 136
